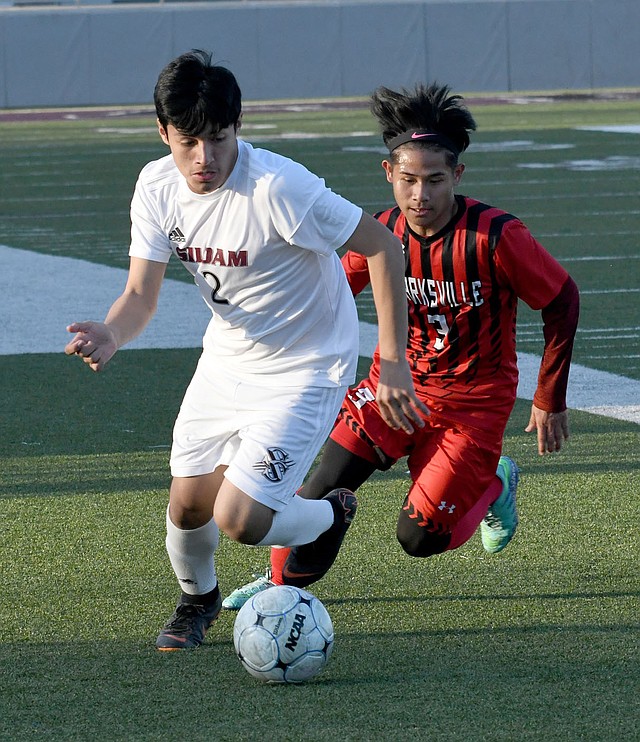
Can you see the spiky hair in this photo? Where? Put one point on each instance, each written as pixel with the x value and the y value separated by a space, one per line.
pixel 428 107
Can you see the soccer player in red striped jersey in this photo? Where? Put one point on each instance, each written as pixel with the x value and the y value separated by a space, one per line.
pixel 467 265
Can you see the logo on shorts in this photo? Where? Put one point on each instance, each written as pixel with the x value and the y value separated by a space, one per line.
pixel 275 464
pixel 450 507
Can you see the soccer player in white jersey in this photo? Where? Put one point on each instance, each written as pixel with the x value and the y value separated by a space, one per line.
pixel 259 234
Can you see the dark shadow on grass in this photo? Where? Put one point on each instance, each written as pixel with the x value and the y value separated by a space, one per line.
pixel 133 479
pixel 511 631
pixel 124 689
pixel 131 483
pixel 478 598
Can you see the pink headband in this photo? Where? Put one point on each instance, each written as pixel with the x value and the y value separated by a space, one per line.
pixel 422 135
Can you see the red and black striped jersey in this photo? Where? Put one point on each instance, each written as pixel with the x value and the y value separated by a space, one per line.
pixel 463 286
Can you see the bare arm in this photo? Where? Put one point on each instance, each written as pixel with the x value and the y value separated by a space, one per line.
pixel 396 397
pixel 97 342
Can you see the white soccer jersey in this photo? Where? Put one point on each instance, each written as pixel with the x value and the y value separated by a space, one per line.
pixel 261 249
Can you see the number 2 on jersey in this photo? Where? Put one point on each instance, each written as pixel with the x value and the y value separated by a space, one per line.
pixel 215 288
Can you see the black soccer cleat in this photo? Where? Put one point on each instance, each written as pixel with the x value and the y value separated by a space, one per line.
pixel 311 562
pixel 188 625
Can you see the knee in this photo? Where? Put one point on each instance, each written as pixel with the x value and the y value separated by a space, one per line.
pixel 187 518
pixel 190 514
pixel 191 501
pixel 240 533
pixel 240 517
pixel 237 528
pixel 421 537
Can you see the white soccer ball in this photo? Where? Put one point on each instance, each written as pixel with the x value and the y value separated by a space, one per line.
pixel 283 635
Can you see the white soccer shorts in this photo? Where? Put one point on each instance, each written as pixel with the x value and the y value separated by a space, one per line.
pixel 267 436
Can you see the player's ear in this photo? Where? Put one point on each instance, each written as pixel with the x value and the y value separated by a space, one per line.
pixel 239 123
pixel 163 132
pixel 388 168
pixel 457 173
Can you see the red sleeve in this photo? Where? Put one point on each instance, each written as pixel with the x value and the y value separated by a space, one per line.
pixel 526 267
pixel 538 279
pixel 560 319
pixel 357 270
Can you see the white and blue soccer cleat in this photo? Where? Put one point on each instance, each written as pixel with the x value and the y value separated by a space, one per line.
pixel 240 595
pixel 500 522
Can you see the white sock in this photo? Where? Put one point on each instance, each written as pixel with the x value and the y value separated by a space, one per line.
pixel 301 522
pixel 191 554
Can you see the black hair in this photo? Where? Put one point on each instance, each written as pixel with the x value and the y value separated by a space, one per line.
pixel 193 94
pixel 425 108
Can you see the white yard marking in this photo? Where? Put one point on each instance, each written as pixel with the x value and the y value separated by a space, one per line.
pixel 41 294
pixel 616 129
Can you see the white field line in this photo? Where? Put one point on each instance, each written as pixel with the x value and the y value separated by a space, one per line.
pixel 41 294
pixel 588 388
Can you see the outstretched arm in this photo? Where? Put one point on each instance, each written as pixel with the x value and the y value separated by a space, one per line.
pixel 549 416
pixel 97 342
pixel 396 397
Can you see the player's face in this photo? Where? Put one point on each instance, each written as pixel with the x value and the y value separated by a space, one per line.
pixel 206 160
pixel 423 184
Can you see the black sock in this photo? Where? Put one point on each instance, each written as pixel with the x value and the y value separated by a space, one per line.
pixel 206 599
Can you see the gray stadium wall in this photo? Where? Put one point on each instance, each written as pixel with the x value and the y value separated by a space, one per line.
pixel 111 54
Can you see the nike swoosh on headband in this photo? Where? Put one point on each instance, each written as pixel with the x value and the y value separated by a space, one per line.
pixel 413 135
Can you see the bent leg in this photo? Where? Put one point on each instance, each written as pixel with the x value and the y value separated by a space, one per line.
pixel 418 535
pixel 454 483
pixel 468 525
pixel 338 467
pixel 249 521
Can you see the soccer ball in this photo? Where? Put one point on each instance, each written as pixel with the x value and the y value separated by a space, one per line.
pixel 283 635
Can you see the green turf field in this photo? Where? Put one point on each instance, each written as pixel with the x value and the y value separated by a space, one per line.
pixel 539 642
